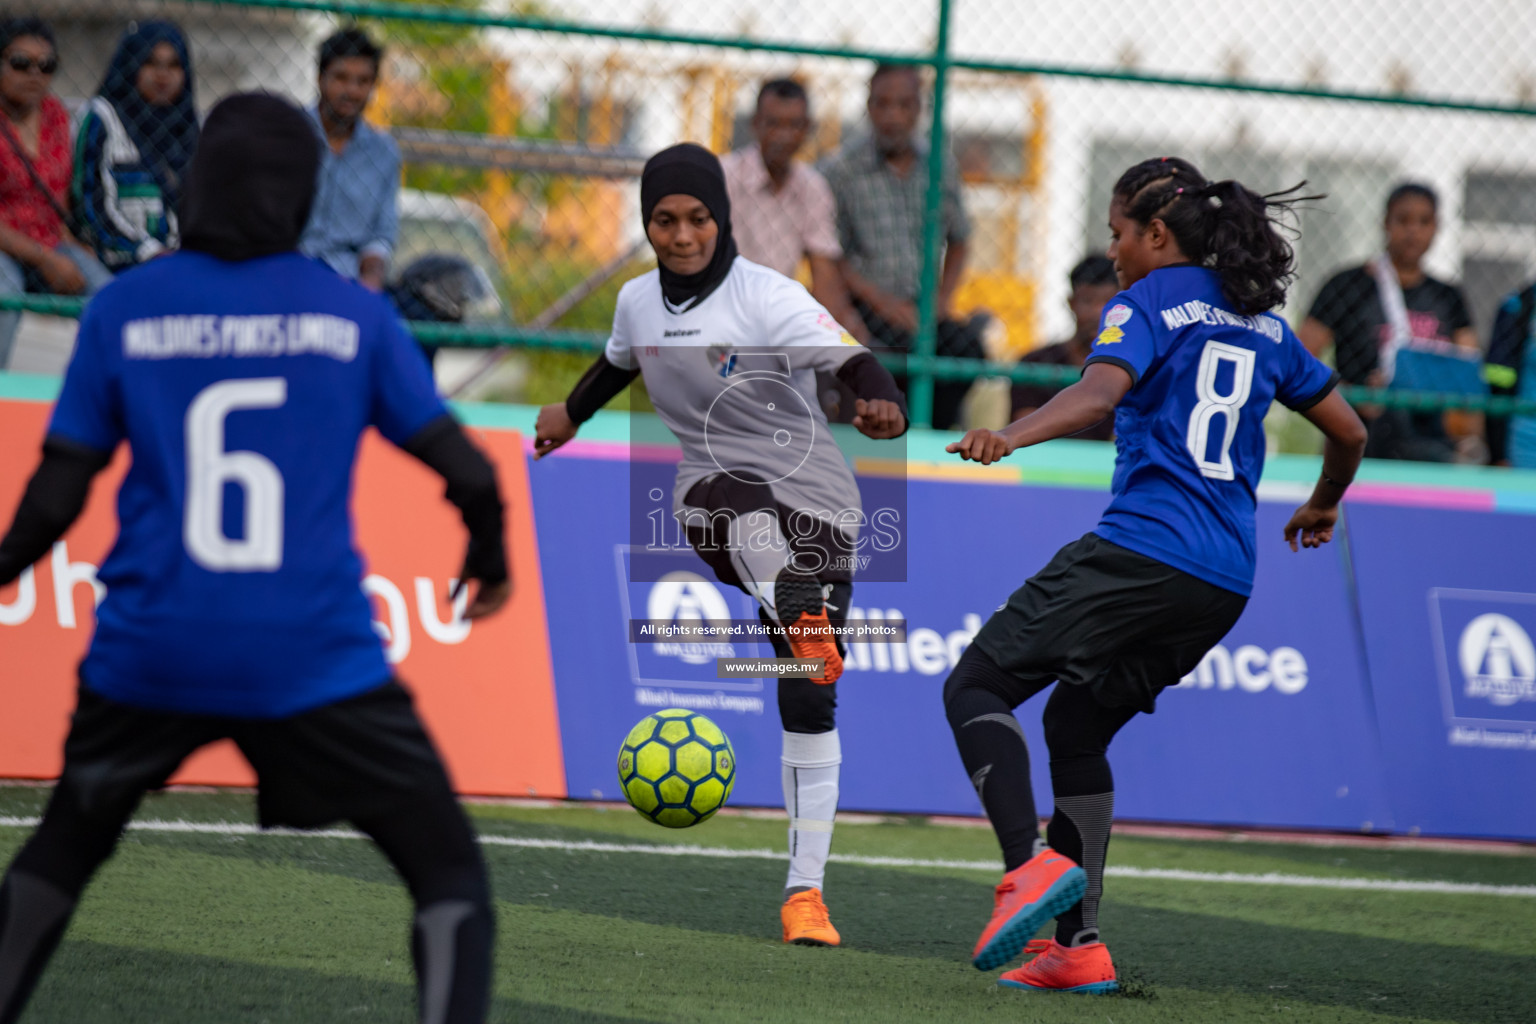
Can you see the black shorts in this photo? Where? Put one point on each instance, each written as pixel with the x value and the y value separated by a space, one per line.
pixel 345 761
pixel 741 498
pixel 1102 616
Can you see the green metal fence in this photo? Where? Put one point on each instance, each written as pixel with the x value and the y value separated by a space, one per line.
pixel 1252 116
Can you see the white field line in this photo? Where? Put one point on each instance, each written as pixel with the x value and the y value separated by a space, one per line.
pixel 1271 878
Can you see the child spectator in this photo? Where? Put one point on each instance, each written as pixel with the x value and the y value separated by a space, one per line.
pixel 135 140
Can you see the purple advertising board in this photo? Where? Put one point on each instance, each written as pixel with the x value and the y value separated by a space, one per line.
pixel 1273 729
pixel 1448 606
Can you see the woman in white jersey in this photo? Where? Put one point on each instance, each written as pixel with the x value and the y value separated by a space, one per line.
pixel 729 351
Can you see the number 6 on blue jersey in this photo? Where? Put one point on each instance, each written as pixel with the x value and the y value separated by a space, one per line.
pixel 210 467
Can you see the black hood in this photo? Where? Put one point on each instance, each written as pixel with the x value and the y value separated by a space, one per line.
pixel 690 170
pixel 252 181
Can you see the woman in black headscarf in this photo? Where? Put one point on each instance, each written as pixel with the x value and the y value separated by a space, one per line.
pixel 135 140
pixel 730 351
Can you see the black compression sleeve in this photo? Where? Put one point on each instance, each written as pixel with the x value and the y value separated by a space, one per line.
pixel 870 380
pixel 597 386
pixel 52 501
pixel 444 447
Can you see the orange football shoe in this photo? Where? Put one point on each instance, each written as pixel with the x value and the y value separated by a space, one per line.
pixel 1057 968
pixel 806 922
pixel 810 636
pixel 1034 892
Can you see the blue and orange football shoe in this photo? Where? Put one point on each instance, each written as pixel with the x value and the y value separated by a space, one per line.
pixel 1034 892
pixel 1053 967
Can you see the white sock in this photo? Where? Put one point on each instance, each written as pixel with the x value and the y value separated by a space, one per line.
pixel 810 769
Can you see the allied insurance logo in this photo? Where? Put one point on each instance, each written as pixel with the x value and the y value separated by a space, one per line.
pixel 683 594
pixel 1487 657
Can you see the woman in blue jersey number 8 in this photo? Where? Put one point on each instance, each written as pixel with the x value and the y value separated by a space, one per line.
pixel 1188 358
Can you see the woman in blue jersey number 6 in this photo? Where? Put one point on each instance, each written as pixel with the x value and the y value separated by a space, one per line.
pixel 1188 358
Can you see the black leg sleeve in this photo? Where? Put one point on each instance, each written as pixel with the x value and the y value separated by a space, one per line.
pixel 979 698
pixel 43 885
pixel 430 842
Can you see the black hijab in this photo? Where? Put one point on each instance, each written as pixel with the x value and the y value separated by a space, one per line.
pixel 252 180
pixel 690 170
pixel 165 136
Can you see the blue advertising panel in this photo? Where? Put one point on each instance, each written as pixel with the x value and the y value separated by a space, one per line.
pixel 1448 603
pixel 1273 729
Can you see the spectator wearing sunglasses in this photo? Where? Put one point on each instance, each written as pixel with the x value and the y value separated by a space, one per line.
pixel 37 252
pixel 134 142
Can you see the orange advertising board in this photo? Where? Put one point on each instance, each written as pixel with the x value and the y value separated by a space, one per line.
pixel 485 689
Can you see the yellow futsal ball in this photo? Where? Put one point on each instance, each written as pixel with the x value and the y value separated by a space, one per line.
pixel 677 767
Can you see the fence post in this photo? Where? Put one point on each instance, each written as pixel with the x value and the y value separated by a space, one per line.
pixel 920 379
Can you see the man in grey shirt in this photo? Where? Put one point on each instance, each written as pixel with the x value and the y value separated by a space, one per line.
pixel 881 185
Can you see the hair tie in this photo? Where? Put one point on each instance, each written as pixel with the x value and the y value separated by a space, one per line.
pixel 1179 191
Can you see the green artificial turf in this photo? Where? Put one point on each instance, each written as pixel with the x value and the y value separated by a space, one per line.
pixel 247 928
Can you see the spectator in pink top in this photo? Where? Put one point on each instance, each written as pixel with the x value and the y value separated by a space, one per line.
pixel 781 209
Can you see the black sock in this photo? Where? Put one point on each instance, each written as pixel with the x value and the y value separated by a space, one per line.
pixel 1079 829
pixel 992 746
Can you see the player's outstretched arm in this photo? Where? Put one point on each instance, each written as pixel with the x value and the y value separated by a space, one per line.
pixel 443 446
pixel 52 502
pixel 1071 409
pixel 559 422
pixel 1313 523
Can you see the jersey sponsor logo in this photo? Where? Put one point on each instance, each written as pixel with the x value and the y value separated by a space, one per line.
pixel 208 337
pixel 682 332
pixel 1118 314
pixel 721 359
pixel 1196 312
pixel 1110 336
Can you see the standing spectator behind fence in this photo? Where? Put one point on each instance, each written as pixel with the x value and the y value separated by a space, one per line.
pixel 1094 283
pixel 354 222
pixel 782 210
pixel 134 142
pixel 37 252
pixel 880 185
pixel 1370 312
pixel 1511 370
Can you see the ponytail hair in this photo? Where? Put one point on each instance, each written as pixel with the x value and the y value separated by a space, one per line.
pixel 1218 224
